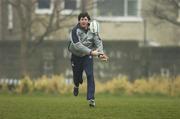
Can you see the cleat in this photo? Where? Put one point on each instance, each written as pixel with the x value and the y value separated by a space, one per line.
pixel 76 91
pixel 91 103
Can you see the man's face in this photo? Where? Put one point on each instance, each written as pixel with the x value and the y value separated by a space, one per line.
pixel 84 22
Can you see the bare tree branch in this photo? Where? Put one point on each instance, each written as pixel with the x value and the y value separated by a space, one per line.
pixel 167 10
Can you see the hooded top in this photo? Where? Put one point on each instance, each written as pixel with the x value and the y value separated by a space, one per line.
pixel 82 41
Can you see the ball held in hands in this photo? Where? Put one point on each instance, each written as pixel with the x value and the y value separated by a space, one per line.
pixel 103 57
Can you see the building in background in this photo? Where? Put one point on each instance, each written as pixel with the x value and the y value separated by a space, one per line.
pixel 119 20
pixel 124 24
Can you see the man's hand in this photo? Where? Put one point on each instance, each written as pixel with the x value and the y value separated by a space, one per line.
pixel 103 57
pixel 96 52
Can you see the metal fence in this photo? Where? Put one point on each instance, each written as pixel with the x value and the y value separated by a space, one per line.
pixel 126 58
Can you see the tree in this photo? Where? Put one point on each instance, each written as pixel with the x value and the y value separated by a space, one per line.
pixel 167 10
pixel 27 19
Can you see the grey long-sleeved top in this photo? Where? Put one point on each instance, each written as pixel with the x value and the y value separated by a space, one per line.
pixel 83 41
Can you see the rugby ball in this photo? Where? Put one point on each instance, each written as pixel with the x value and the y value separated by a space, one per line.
pixel 94 26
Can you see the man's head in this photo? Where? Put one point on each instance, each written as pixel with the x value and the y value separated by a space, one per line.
pixel 83 20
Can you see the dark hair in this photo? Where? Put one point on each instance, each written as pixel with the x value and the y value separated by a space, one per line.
pixel 82 15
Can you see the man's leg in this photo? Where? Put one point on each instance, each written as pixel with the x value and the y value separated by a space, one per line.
pixel 88 67
pixel 77 68
pixel 77 76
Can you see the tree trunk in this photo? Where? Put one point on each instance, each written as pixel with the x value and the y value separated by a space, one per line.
pixel 23 53
pixel 84 6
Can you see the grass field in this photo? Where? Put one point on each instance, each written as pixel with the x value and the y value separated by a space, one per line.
pixel 107 107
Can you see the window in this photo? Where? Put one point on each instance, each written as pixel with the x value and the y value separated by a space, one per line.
pixel 44 6
pixel 132 8
pixel 10 17
pixel 70 6
pixel 119 10
pixel 178 19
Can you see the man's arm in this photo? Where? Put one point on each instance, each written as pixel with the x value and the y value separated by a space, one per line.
pixel 98 43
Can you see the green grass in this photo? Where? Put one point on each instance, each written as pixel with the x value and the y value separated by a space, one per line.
pixel 69 107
